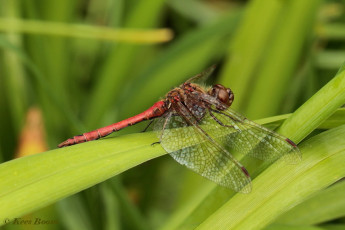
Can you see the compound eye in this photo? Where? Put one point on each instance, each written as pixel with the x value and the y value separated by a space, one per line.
pixel 231 96
pixel 223 94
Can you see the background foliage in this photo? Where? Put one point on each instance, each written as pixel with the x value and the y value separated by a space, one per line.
pixel 86 64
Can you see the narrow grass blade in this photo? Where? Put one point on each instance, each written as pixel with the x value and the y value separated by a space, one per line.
pixel 133 217
pixel 112 211
pixel 330 59
pixel 52 57
pixel 196 48
pixel 197 11
pixel 51 94
pixel 245 53
pixel 335 31
pixel 317 109
pixel 281 58
pixel 74 213
pixel 121 62
pixel 14 75
pixel 143 36
pixel 335 120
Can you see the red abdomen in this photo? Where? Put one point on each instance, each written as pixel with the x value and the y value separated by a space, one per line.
pixel 158 109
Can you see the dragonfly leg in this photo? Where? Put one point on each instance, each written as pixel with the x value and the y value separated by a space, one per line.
pixel 147 126
pixel 217 120
pixel 232 118
pixel 151 121
pixel 164 125
pixel 154 143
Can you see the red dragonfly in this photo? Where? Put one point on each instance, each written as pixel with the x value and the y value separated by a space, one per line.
pixel 197 127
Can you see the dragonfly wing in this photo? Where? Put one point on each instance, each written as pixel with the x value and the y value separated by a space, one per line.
pixel 247 137
pixel 189 145
pixel 202 77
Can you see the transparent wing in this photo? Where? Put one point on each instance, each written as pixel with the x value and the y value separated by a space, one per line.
pixel 202 77
pixel 186 141
pixel 246 137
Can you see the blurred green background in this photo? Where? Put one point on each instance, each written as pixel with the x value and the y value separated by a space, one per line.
pixel 273 54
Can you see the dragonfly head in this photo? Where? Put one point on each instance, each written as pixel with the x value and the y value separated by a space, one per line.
pixel 222 94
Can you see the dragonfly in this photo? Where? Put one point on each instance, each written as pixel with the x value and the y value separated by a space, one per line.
pixel 199 129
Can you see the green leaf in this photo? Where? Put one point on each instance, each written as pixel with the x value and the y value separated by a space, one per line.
pixel 335 120
pixel 326 205
pixel 210 197
pixel 39 180
pixel 32 182
pixel 314 112
pixel 283 186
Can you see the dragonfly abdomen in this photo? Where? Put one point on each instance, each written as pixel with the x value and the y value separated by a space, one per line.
pixel 156 110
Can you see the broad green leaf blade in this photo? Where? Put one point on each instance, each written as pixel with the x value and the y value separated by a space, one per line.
pixel 327 205
pixel 283 186
pixel 30 183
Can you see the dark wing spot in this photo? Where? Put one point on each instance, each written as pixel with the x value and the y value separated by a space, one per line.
pixel 291 142
pixel 245 171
